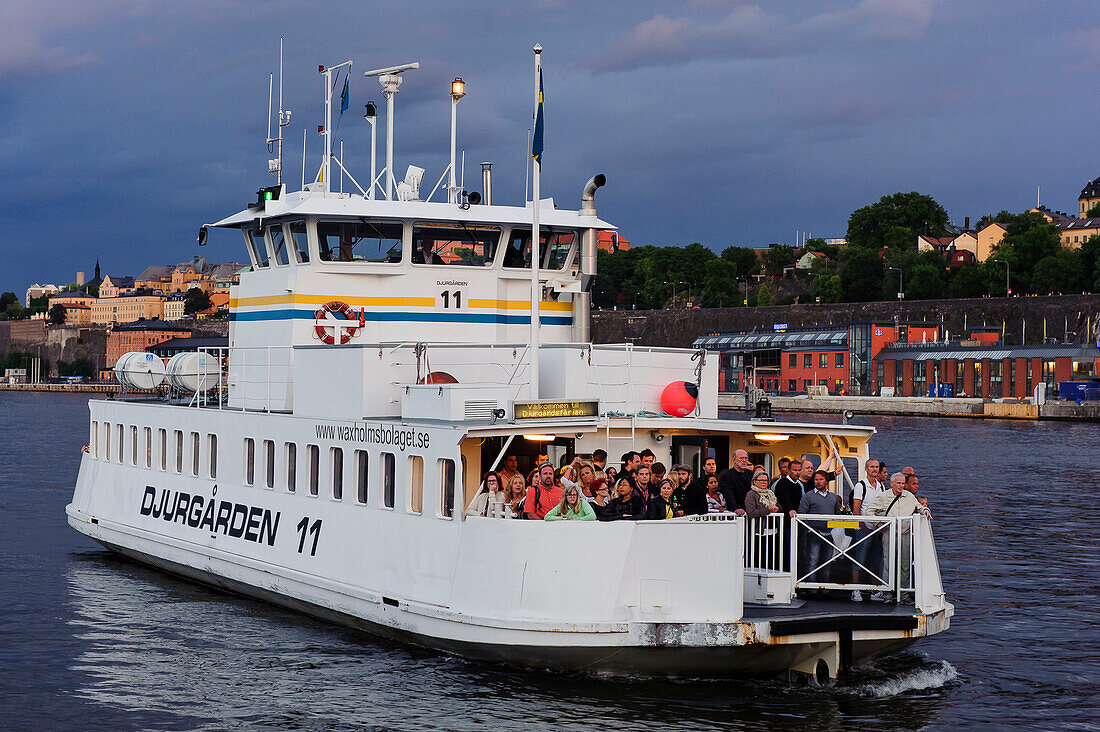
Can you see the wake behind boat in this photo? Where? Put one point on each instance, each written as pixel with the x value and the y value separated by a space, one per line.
pixel 385 352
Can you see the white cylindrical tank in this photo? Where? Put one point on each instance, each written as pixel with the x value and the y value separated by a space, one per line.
pixel 139 370
pixel 192 371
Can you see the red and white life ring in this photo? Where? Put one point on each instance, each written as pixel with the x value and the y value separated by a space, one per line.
pixel 336 310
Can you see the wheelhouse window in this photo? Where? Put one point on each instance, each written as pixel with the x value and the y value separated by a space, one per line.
pixel 555 246
pixel 299 241
pixel 462 244
pixel 257 249
pixel 360 241
pixel 278 244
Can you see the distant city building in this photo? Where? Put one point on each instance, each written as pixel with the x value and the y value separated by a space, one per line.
pixel 173 306
pixel 1090 196
pixel 127 308
pixel 1072 231
pixel 172 346
pixel 115 285
pixel 806 261
pixel 139 336
pixel 611 241
pixel 36 291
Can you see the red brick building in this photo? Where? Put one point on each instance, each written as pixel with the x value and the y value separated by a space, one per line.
pixel 139 335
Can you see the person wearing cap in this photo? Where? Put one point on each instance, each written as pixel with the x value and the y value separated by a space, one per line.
pixel 543 495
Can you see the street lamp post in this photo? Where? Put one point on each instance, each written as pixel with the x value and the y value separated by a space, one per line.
pixel 1008 288
pixel 901 282
pixel 746 279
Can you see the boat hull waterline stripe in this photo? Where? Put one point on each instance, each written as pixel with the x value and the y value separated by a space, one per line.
pixel 254 315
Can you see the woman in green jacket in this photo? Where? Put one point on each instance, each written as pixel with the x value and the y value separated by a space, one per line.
pixel 572 507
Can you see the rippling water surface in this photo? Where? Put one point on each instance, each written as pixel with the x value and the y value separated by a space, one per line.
pixel 91 641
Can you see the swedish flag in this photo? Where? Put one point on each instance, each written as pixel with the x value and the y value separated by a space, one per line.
pixel 536 140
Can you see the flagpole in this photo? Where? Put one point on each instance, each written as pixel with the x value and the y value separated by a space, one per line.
pixel 536 288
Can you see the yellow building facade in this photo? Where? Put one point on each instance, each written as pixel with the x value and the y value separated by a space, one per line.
pixel 127 308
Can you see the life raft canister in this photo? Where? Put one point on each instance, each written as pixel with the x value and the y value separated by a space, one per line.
pixel 327 333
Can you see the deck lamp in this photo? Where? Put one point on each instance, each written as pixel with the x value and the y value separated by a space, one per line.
pixel 539 438
pixel 769 438
pixel 458 90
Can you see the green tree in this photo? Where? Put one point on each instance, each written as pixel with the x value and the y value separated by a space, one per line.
pixel 829 288
pixel 1090 264
pixel 1028 239
pixel 925 282
pixel 862 274
pixel 745 261
pixel 77 367
pixel 720 285
pixel 775 258
pixel 970 280
pixel 195 301
pixel 896 221
pixel 57 314
pixel 1094 212
pixel 1058 273
pixel 8 299
pixel 765 295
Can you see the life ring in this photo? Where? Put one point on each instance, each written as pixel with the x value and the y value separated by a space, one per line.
pixel 341 311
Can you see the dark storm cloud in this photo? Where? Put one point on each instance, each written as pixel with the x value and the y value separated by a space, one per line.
pixel 124 124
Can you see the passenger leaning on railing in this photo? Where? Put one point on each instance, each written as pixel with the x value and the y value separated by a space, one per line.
pixel 867 547
pixel 626 505
pixel 716 502
pixel 486 502
pixel 899 503
pixel 516 494
pixel 572 507
pixel 664 505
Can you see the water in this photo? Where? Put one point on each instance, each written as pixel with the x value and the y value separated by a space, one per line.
pixel 91 641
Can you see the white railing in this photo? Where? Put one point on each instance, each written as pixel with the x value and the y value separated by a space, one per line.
pixel 845 553
pixel 253 378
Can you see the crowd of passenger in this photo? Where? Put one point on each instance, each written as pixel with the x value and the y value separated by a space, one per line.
pixel 641 488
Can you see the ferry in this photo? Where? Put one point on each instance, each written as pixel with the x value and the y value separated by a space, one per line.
pixel 386 350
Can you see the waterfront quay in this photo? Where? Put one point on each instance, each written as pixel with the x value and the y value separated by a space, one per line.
pixel 923 407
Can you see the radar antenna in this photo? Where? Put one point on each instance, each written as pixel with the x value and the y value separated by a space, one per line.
pixel 275 165
pixel 390 77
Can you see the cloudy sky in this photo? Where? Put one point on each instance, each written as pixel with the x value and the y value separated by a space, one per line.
pixel 124 124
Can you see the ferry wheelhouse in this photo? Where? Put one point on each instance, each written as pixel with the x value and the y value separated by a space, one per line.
pixel 381 359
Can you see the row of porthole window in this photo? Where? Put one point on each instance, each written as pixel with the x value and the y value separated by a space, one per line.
pixel 334 474
pixel 120 443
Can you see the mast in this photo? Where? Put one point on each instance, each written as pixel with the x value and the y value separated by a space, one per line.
pixel 536 289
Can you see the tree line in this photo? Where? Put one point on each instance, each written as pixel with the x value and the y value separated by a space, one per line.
pixel 880 260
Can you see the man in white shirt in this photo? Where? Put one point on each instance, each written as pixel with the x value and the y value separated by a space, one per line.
pixel 866 547
pixel 898 503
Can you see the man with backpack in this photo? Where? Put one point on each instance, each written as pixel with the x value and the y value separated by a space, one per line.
pixel 866 543
pixel 543 495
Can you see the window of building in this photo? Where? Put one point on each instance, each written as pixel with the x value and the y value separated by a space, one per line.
pixel 978 378
pixel 195 454
pixel 839 360
pixel 338 473
pixel 314 469
pixel 1082 368
pixel 880 381
pixel 555 246
pixel 299 242
pixel 362 241
pixel 823 361
pixel 1048 376
pixel 792 384
pixel 995 385
pixel 899 377
pixel 920 378
pixel 792 360
pixel 447 488
pixel 361 465
pixel 212 448
pixel 1012 377
pixel 121 452
pixel 249 461
pixel 1030 386
pixel 806 384
pixel 462 244
pixel 278 244
pixel 389 479
pixel 162 440
pixel 415 500
pixel 133 445
pixel 269 463
pixel 808 361
pixel 291 466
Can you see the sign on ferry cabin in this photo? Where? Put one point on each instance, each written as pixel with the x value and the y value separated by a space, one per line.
pixel 552 410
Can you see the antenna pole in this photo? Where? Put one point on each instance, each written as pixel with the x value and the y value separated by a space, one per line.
pixel 341 166
pixel 373 139
pixel 269 81
pixel 282 123
pixel 303 158
pixel 536 287
pixel 387 81
pixel 328 125
pixel 527 169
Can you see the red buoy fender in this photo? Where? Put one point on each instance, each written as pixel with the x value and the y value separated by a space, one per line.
pixel 678 399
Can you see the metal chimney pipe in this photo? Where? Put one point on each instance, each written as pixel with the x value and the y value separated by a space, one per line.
pixel 487 183
pixel 582 301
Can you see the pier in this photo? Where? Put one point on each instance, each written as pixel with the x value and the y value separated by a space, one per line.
pixel 922 407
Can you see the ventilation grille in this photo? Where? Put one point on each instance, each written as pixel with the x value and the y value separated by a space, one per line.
pixel 480 409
